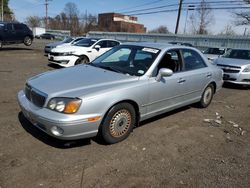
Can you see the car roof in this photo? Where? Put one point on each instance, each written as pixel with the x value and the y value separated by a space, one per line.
pixel 160 46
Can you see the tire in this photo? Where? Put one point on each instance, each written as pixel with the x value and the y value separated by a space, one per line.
pixel 82 60
pixel 118 123
pixel 207 96
pixel 27 41
pixel 1 44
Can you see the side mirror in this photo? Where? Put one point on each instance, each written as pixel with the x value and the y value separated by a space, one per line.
pixel 97 47
pixel 164 72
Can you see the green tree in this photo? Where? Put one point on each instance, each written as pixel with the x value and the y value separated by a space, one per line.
pixel 7 12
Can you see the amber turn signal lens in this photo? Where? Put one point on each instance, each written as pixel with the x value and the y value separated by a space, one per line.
pixel 72 106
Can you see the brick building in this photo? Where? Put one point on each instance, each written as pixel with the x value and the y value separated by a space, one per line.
pixel 114 22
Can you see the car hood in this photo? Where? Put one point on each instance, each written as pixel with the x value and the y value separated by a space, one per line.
pixel 211 56
pixel 54 44
pixel 232 62
pixel 78 81
pixel 69 48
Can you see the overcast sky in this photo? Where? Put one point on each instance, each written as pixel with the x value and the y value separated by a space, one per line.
pixel 25 8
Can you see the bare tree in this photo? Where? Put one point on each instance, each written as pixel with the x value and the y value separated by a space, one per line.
pixel 228 30
pixel 33 21
pixel 201 19
pixel 160 29
pixel 243 18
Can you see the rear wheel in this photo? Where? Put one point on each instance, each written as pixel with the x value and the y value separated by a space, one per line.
pixel 82 60
pixel 207 96
pixel 118 123
pixel 27 41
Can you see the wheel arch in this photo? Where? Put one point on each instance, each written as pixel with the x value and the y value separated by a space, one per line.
pixel 129 101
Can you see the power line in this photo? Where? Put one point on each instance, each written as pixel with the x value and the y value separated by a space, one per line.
pixel 175 10
pixel 184 3
pixel 141 5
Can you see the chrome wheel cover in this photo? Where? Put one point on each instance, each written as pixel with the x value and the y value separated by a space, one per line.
pixel 120 123
pixel 208 95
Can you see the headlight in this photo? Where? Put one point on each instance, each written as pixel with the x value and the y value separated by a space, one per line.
pixel 64 105
pixel 67 53
pixel 247 69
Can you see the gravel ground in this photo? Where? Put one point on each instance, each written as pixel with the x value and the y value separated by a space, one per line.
pixel 189 147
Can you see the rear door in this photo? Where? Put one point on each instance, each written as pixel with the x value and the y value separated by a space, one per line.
pixel 19 31
pixel 196 75
pixel 9 33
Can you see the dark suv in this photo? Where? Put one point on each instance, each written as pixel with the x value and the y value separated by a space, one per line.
pixel 14 33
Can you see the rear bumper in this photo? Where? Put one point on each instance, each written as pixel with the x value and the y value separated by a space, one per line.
pixel 70 127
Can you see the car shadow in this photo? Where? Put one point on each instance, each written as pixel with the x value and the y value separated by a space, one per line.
pixel 235 86
pixel 164 115
pixel 51 141
pixel 54 66
pixel 15 48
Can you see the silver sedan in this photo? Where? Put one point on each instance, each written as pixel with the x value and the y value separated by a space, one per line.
pixel 110 96
pixel 236 66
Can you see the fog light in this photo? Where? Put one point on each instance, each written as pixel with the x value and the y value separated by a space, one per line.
pixel 57 131
pixel 64 61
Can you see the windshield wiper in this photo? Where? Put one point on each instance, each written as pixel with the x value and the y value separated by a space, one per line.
pixel 110 68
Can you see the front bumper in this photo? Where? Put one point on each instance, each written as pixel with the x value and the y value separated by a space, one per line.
pixel 70 127
pixel 64 61
pixel 237 78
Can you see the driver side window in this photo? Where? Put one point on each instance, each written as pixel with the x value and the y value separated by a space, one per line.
pixel 171 60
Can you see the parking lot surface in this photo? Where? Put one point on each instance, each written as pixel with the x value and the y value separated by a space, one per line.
pixel 190 147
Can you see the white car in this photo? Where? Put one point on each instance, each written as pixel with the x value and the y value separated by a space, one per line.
pixel 66 42
pixel 84 51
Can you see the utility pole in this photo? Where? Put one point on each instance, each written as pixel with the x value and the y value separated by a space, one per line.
pixel 46 14
pixel 178 17
pixel 190 7
pixel 2 11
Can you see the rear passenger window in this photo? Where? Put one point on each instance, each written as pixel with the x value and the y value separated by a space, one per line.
pixel 18 27
pixel 112 43
pixel 192 60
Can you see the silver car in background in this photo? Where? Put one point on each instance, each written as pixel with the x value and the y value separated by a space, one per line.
pixel 236 66
pixel 110 96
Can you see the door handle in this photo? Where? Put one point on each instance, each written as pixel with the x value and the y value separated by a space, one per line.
pixel 209 75
pixel 181 80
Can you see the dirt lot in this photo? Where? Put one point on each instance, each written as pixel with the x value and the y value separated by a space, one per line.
pixel 177 149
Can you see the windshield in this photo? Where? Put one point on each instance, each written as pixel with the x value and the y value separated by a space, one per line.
pixel 131 60
pixel 214 51
pixel 238 54
pixel 67 40
pixel 85 42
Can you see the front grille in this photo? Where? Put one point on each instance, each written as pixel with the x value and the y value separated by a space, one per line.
pixel 230 70
pixel 246 80
pixel 35 96
pixel 229 79
pixel 55 54
pixel 230 66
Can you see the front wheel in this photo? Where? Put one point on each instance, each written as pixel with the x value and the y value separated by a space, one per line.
pixel 118 123
pixel 82 60
pixel 207 96
pixel 27 41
